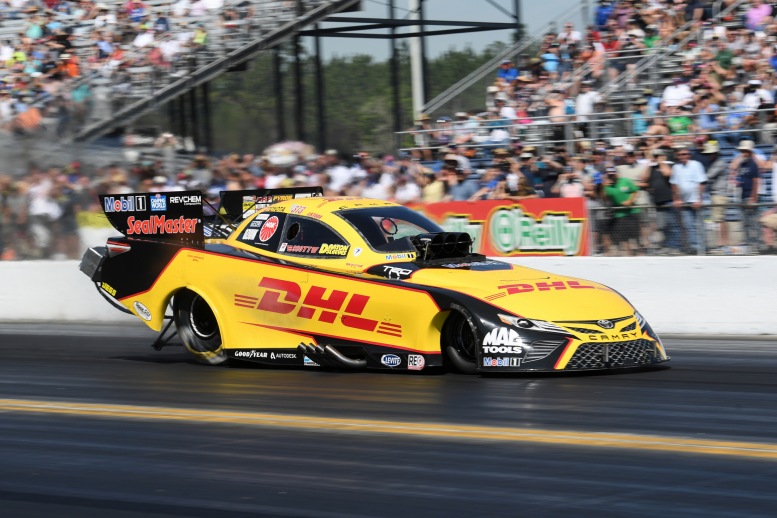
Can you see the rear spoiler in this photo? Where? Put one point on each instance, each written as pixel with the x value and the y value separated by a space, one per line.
pixel 238 205
pixel 174 217
pixel 177 217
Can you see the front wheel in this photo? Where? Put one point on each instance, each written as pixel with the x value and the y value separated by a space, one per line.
pixel 460 340
pixel 198 328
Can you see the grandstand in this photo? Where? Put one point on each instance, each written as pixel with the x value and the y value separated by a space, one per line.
pixel 645 86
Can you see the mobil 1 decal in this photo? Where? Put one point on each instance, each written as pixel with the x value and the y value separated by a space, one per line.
pixel 162 216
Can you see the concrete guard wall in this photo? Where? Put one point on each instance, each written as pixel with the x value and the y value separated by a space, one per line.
pixel 678 295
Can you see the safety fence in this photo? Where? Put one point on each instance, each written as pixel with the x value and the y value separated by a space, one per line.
pixel 501 227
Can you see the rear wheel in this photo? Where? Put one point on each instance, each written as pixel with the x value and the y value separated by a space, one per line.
pixel 198 328
pixel 461 340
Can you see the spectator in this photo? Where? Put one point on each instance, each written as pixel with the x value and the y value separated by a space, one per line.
pixel 688 180
pixel 745 173
pixel 657 177
pixel 507 73
pixel 623 227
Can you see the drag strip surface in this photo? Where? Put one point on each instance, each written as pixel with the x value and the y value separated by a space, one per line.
pixel 92 420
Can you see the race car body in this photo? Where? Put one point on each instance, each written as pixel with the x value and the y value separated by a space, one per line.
pixel 288 277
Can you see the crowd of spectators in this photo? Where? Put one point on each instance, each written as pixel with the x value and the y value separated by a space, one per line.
pixel 686 170
pixel 62 59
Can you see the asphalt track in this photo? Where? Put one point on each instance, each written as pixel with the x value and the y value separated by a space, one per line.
pixel 93 422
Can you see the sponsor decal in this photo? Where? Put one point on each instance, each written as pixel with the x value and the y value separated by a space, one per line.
pixel 354 265
pixel 259 220
pixel 283 246
pixel 108 289
pixel 612 337
pixel 396 273
pixel 299 249
pixel 501 362
pixel 470 265
pixel 124 204
pixel 142 311
pixel 390 360
pixel 327 249
pixel 268 229
pixel 357 252
pixel 283 356
pixel 161 225
pixel 309 363
pixel 415 362
pixel 512 230
pixel 296 209
pixel 503 336
pixel 605 324
pixel 186 200
pixel 250 234
pixel 315 215
pixel 158 202
pixel 409 256
pixel 253 353
pixel 326 305
pixel 544 286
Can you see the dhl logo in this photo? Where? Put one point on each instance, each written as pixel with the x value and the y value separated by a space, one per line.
pixel 544 286
pixel 283 297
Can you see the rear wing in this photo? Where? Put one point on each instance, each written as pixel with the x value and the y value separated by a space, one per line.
pixel 239 205
pixel 178 217
pixel 174 217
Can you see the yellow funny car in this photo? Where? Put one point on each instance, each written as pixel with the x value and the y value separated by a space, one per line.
pixel 288 277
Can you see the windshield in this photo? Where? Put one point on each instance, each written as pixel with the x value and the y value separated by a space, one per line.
pixel 387 229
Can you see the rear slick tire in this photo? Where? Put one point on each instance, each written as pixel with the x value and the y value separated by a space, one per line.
pixel 461 340
pixel 198 328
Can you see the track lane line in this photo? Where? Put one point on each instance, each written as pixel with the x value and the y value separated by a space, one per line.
pixel 406 428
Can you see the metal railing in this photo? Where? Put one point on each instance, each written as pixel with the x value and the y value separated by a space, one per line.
pixel 490 66
pixel 599 126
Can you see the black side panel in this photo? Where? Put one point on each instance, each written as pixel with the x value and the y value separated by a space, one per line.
pixel 168 217
pixel 136 270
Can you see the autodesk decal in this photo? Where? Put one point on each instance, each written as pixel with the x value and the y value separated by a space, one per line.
pixel 511 230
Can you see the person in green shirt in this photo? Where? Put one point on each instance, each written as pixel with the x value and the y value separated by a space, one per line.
pixel 620 193
pixel 680 123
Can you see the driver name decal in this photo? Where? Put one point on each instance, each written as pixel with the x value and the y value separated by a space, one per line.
pixel 317 302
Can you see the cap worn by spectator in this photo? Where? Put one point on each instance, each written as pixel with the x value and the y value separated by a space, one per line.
pixel 711 147
pixel 640 101
pixel 331 152
pixel 746 145
pixel 501 152
pixel 527 155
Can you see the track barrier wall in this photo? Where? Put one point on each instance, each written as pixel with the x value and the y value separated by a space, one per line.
pixel 677 295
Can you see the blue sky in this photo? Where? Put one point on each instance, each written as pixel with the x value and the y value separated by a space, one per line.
pixel 535 14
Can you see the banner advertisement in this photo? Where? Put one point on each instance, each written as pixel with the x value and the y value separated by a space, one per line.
pixel 534 226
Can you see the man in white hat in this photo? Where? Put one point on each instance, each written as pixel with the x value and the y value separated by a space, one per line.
pixel 688 181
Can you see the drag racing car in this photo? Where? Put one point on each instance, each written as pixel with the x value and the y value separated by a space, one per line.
pixel 289 277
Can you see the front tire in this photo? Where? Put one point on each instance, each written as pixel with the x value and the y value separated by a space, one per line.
pixel 198 328
pixel 461 340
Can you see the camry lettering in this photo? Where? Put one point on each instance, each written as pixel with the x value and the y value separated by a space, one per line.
pixel 544 286
pixel 161 225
